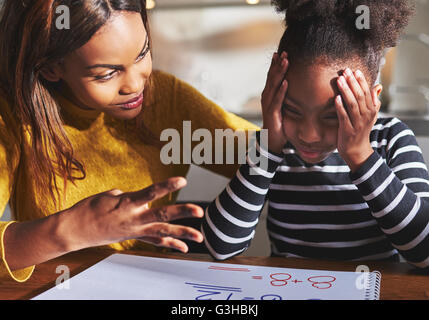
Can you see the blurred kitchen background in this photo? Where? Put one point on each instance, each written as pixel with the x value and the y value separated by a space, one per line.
pixel 224 48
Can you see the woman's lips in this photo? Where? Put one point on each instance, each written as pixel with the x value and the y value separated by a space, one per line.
pixel 133 103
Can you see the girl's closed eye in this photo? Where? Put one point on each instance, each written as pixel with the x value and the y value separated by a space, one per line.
pixel 291 110
pixel 330 116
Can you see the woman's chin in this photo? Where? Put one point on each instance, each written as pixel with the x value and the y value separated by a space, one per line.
pixel 123 114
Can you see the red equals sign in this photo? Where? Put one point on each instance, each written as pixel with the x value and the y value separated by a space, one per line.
pixel 228 268
pixel 257 277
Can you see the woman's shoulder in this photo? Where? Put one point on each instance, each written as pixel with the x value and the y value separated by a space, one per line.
pixel 163 79
pixel 165 82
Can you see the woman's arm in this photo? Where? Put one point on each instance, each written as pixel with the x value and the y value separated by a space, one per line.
pixel 102 219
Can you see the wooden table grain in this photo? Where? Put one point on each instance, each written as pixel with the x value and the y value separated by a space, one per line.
pixel 399 281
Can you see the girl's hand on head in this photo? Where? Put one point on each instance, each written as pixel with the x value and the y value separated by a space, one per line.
pixel 272 102
pixel 357 109
pixel 115 216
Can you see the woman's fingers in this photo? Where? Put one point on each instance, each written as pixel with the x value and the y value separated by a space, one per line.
pixel 170 213
pixel 166 242
pixel 114 192
pixel 162 230
pixel 154 192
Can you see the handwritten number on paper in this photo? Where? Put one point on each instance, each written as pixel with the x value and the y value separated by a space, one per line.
pixel 279 279
pixel 322 282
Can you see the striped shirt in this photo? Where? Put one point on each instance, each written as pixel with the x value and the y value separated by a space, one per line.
pixel 325 211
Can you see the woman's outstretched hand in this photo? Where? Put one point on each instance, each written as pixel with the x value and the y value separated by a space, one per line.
pixel 272 101
pixel 115 216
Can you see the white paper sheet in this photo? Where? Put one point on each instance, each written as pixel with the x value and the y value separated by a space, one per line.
pixel 122 276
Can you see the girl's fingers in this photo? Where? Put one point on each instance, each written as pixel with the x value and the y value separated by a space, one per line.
pixel 274 79
pixel 350 101
pixel 357 91
pixel 277 103
pixel 370 105
pixel 343 118
pixel 273 63
pixel 170 213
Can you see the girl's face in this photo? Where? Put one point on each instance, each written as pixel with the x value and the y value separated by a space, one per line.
pixel 110 72
pixel 310 118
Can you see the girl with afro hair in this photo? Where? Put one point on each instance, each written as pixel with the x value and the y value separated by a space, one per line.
pixel 341 182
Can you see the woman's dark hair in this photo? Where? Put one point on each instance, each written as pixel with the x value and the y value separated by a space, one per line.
pixel 327 30
pixel 29 42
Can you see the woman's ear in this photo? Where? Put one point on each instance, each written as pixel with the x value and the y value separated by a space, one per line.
pixel 52 73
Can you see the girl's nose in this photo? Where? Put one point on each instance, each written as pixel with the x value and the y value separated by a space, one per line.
pixel 309 133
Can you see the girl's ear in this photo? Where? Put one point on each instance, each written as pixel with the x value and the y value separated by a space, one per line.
pixel 378 88
pixel 52 73
pixel 376 91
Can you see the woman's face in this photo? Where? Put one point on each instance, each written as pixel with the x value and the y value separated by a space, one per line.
pixel 310 118
pixel 111 69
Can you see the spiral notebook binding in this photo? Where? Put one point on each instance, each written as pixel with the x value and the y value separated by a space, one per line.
pixel 374 285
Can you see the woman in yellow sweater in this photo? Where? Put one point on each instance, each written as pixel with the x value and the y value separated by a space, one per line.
pixel 81 116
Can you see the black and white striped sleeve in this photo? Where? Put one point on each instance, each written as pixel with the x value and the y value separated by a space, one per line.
pixel 230 220
pixel 397 191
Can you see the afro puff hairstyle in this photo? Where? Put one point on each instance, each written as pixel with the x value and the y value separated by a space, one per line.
pixel 326 30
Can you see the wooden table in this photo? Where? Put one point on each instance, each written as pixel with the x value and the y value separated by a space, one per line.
pixel 399 280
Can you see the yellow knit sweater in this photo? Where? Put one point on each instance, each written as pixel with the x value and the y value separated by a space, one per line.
pixel 112 154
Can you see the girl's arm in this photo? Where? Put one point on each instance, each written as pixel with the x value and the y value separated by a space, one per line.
pixel 397 190
pixel 230 221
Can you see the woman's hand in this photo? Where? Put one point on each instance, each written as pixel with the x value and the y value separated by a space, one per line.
pixel 114 216
pixel 272 101
pixel 357 109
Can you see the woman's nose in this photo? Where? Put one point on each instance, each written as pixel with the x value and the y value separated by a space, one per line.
pixel 133 83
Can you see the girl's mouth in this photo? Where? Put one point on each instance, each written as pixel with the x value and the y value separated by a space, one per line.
pixel 310 154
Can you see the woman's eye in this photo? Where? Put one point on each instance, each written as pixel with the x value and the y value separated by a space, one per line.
pixel 106 77
pixel 143 54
